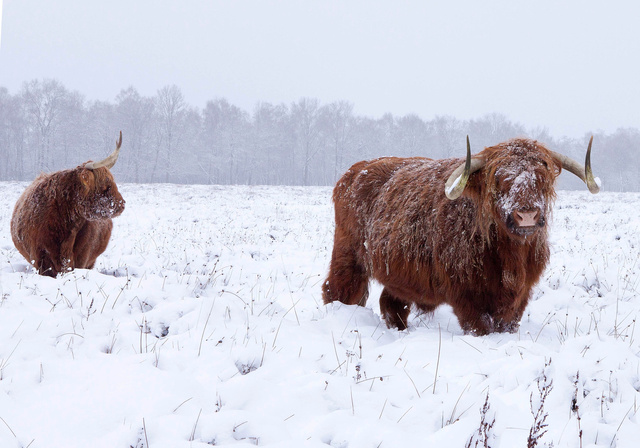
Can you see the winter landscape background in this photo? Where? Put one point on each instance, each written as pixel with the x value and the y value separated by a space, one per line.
pixel 46 127
pixel 202 325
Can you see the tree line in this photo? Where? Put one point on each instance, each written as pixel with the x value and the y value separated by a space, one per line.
pixel 46 127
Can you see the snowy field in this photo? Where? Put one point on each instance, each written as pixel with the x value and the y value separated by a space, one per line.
pixel 203 325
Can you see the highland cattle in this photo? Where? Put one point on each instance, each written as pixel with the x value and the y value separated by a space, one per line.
pixel 469 233
pixel 63 221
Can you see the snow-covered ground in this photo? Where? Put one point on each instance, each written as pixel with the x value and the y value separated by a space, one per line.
pixel 202 324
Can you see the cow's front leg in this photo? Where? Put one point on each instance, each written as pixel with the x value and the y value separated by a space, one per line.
pixel 44 264
pixel 475 312
pixel 508 314
pixel 67 260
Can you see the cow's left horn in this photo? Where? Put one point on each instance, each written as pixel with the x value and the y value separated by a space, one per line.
pixel 457 181
pixel 593 183
pixel 110 160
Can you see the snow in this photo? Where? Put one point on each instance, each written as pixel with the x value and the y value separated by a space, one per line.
pixel 203 324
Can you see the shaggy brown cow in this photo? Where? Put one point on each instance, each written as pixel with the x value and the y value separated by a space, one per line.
pixel 63 219
pixel 471 233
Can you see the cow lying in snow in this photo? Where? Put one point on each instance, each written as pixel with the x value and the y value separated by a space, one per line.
pixel 471 233
pixel 63 219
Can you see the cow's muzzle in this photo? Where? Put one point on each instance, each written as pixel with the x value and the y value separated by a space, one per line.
pixel 526 222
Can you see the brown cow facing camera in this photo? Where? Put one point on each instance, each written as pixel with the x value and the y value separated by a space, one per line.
pixel 470 233
pixel 62 220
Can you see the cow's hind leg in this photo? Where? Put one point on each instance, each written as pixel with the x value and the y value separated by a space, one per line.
pixel 347 281
pixel 394 311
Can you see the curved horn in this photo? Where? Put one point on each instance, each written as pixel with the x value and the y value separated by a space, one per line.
pixel 456 182
pixel 585 174
pixel 110 160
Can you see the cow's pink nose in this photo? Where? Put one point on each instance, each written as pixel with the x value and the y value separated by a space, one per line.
pixel 526 218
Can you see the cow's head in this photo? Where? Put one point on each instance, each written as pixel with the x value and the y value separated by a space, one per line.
pixel 514 182
pixel 99 197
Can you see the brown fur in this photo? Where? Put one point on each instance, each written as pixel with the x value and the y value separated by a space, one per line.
pixel 62 220
pixel 395 224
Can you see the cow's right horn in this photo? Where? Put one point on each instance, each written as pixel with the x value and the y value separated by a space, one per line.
pixel 457 181
pixel 110 160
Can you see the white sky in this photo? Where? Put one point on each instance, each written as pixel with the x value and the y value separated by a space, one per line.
pixel 0 24
pixel 570 66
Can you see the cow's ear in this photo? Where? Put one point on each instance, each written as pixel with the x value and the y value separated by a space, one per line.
pixel 476 183
pixel 87 179
pixel 556 167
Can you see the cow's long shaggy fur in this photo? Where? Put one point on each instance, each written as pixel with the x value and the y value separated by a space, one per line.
pixel 63 219
pixel 394 223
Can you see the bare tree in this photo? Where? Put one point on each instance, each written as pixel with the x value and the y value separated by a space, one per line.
pixel 226 128
pixel 337 119
pixel 6 109
pixel 271 143
pixel 43 102
pixel 449 133
pixel 413 137
pixel 45 127
pixel 72 130
pixel 134 115
pixel 170 107
pixel 304 115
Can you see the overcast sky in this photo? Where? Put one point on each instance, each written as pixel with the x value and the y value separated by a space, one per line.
pixel 570 66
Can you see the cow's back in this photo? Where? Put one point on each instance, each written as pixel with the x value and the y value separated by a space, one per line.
pixel 361 185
